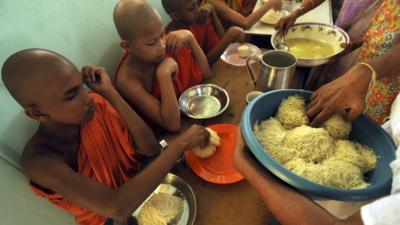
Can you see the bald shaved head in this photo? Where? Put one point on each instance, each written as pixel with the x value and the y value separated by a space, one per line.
pixel 48 86
pixel 131 16
pixel 173 5
pixel 26 72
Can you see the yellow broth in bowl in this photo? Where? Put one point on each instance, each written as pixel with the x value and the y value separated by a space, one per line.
pixel 309 48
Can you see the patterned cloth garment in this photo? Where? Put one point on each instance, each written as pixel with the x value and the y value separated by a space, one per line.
pixel 381 36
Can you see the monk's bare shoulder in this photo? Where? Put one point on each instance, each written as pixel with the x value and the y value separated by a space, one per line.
pixel 128 77
pixel 37 154
pixel 37 146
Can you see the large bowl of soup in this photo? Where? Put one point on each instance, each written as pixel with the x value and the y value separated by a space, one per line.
pixel 313 44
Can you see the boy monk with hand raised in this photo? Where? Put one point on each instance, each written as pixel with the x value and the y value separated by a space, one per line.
pixel 205 25
pixel 86 155
pixel 156 67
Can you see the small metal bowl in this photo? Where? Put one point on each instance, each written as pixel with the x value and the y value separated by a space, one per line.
pixel 252 95
pixel 204 101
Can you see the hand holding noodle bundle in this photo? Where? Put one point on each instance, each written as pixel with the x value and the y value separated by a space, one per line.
pixel 210 149
pixel 292 112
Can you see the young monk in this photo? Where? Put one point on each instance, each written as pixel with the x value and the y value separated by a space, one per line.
pixel 86 155
pixel 240 12
pixel 205 25
pixel 156 67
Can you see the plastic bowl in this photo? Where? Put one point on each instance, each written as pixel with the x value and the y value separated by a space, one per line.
pixel 364 131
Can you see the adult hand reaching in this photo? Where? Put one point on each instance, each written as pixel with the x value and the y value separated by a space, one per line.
pixel 345 96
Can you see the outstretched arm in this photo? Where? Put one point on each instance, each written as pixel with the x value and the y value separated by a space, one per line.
pixel 234 34
pixel 246 22
pixel 52 172
pixel 285 22
pixel 287 205
pixel 207 11
pixel 346 94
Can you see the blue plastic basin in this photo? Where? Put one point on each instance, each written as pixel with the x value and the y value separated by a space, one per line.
pixel 364 131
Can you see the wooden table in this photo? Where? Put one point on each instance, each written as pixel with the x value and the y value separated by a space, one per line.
pixel 231 204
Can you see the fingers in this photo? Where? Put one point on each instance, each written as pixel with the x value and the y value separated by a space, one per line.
pixel 282 26
pixel 322 116
pixel 89 73
pixel 312 104
pixel 278 25
pixel 287 25
pixel 206 136
pixel 353 112
pixel 319 109
pixel 92 74
pixel 314 108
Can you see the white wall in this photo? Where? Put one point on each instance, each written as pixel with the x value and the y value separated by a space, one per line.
pixel 81 30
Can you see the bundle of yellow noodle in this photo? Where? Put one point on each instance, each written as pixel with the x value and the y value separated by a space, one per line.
pixel 337 127
pixel 321 155
pixel 313 144
pixel 292 112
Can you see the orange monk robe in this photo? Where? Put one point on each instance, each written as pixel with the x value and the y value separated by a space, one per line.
pixel 105 155
pixel 189 73
pixel 204 33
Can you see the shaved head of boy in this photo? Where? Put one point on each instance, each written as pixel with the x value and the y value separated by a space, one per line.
pixel 184 11
pixel 141 30
pixel 47 85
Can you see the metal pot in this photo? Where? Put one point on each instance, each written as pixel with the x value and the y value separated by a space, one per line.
pixel 277 71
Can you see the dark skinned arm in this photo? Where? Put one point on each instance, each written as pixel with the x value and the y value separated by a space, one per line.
pixel 346 94
pixel 234 34
pixel 245 22
pixel 52 172
pixel 285 22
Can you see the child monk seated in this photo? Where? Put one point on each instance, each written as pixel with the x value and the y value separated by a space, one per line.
pixel 240 12
pixel 156 67
pixel 86 155
pixel 205 25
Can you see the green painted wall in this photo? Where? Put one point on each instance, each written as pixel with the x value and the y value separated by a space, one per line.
pixel 81 30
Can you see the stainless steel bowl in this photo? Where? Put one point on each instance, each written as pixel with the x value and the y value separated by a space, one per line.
pixel 326 33
pixel 204 101
pixel 187 192
pixel 179 188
